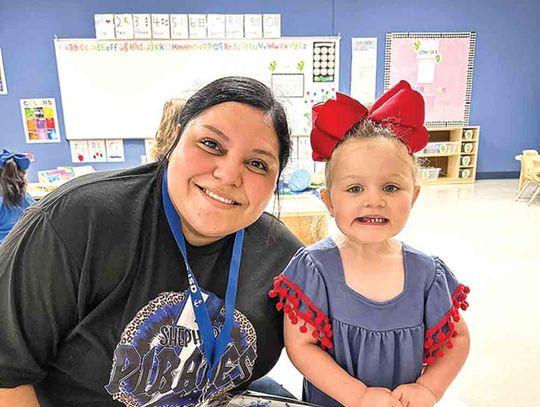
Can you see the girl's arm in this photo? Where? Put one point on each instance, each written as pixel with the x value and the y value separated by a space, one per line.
pixel 439 375
pixel 21 396
pixel 323 372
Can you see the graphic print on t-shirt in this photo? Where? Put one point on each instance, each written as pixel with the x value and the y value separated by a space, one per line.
pixel 159 359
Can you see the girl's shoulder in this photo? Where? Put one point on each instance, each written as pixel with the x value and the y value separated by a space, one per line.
pixel 421 265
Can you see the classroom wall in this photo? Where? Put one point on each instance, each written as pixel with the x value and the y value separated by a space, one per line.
pixel 506 86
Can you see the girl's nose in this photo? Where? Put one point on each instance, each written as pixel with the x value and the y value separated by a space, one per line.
pixel 373 199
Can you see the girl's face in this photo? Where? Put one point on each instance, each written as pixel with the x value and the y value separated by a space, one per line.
pixel 372 190
pixel 223 171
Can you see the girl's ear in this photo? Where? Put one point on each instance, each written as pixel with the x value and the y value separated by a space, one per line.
pixel 416 192
pixel 325 196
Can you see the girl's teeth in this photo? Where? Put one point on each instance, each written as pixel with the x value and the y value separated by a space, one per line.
pixel 217 197
pixel 373 220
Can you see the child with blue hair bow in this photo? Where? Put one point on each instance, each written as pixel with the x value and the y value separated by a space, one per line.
pixel 13 196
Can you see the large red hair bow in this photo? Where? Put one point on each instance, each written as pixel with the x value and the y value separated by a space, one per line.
pixel 400 109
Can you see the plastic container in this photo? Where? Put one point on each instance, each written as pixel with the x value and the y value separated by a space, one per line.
pixel 465 173
pixel 466 160
pixel 442 147
pixel 468 134
pixel 430 173
pixel 468 147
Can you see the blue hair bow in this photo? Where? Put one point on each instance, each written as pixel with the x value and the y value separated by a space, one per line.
pixel 22 161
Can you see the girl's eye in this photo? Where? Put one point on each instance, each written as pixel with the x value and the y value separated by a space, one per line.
pixel 356 189
pixel 211 144
pixel 390 188
pixel 258 165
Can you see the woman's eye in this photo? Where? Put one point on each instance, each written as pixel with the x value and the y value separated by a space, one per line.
pixel 355 189
pixel 259 165
pixel 212 144
pixel 390 188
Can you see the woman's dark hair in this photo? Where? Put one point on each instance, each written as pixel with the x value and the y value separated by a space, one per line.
pixel 12 184
pixel 243 90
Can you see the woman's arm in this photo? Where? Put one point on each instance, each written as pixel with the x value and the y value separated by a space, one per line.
pixel 439 375
pixel 21 396
pixel 322 371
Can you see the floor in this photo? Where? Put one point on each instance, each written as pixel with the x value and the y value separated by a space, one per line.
pixel 492 244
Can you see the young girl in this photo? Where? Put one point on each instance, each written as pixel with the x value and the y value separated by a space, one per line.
pixel 168 128
pixel 13 196
pixel 376 316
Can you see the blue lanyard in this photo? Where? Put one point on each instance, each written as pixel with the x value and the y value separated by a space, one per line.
pixel 213 347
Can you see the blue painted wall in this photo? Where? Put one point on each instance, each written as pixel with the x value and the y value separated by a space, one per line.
pixel 506 83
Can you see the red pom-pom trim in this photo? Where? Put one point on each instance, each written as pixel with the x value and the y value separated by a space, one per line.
pixel 290 298
pixel 432 347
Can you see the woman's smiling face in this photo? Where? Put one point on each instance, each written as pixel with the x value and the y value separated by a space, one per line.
pixel 223 171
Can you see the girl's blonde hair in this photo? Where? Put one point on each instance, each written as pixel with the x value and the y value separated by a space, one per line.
pixel 368 129
pixel 167 128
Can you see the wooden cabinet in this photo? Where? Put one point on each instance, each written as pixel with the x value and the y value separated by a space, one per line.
pixel 450 156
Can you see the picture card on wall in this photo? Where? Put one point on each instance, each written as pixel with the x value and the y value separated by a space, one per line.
pixel 272 25
pixel 40 120
pixel 142 26
pixel 234 26
pixel 115 150
pixel 216 25
pixel 179 26
pixel 3 84
pixel 197 26
pixel 79 151
pixel 104 24
pixel 161 26
pixel 123 26
pixel 253 25
pixel 97 151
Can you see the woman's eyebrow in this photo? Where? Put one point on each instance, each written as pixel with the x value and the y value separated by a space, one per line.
pixel 217 131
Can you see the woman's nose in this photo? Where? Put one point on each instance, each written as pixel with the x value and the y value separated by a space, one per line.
pixel 229 171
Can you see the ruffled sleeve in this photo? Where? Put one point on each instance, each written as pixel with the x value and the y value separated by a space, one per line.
pixel 302 295
pixel 445 298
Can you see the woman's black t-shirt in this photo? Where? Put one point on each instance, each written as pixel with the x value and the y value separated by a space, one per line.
pixel 95 307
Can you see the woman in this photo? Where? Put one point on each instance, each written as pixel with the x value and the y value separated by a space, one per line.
pixel 13 196
pixel 97 301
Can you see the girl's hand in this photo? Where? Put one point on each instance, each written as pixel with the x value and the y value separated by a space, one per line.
pixel 414 395
pixel 378 397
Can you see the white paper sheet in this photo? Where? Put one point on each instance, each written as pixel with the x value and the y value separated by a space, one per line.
pixel 364 69
pixel 253 25
pixel 216 25
pixel 197 26
pixel 234 26
pixel 115 150
pixel 104 24
pixel 123 26
pixel 272 25
pixel 179 26
pixel 142 26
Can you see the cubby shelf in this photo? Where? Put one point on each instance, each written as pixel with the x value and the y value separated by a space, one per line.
pixel 446 148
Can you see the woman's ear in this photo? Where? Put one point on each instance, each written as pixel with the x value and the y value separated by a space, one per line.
pixel 325 196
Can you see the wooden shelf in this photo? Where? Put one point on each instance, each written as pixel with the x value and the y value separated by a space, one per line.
pixel 423 155
pixel 450 163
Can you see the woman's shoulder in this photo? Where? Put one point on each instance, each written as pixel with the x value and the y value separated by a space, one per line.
pixel 104 189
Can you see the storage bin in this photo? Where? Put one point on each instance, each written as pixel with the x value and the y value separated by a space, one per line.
pixel 441 147
pixel 430 173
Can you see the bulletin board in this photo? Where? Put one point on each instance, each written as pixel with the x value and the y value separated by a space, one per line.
pixel 440 67
pixel 116 89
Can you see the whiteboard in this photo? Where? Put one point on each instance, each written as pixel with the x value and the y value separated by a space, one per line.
pixel 116 89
